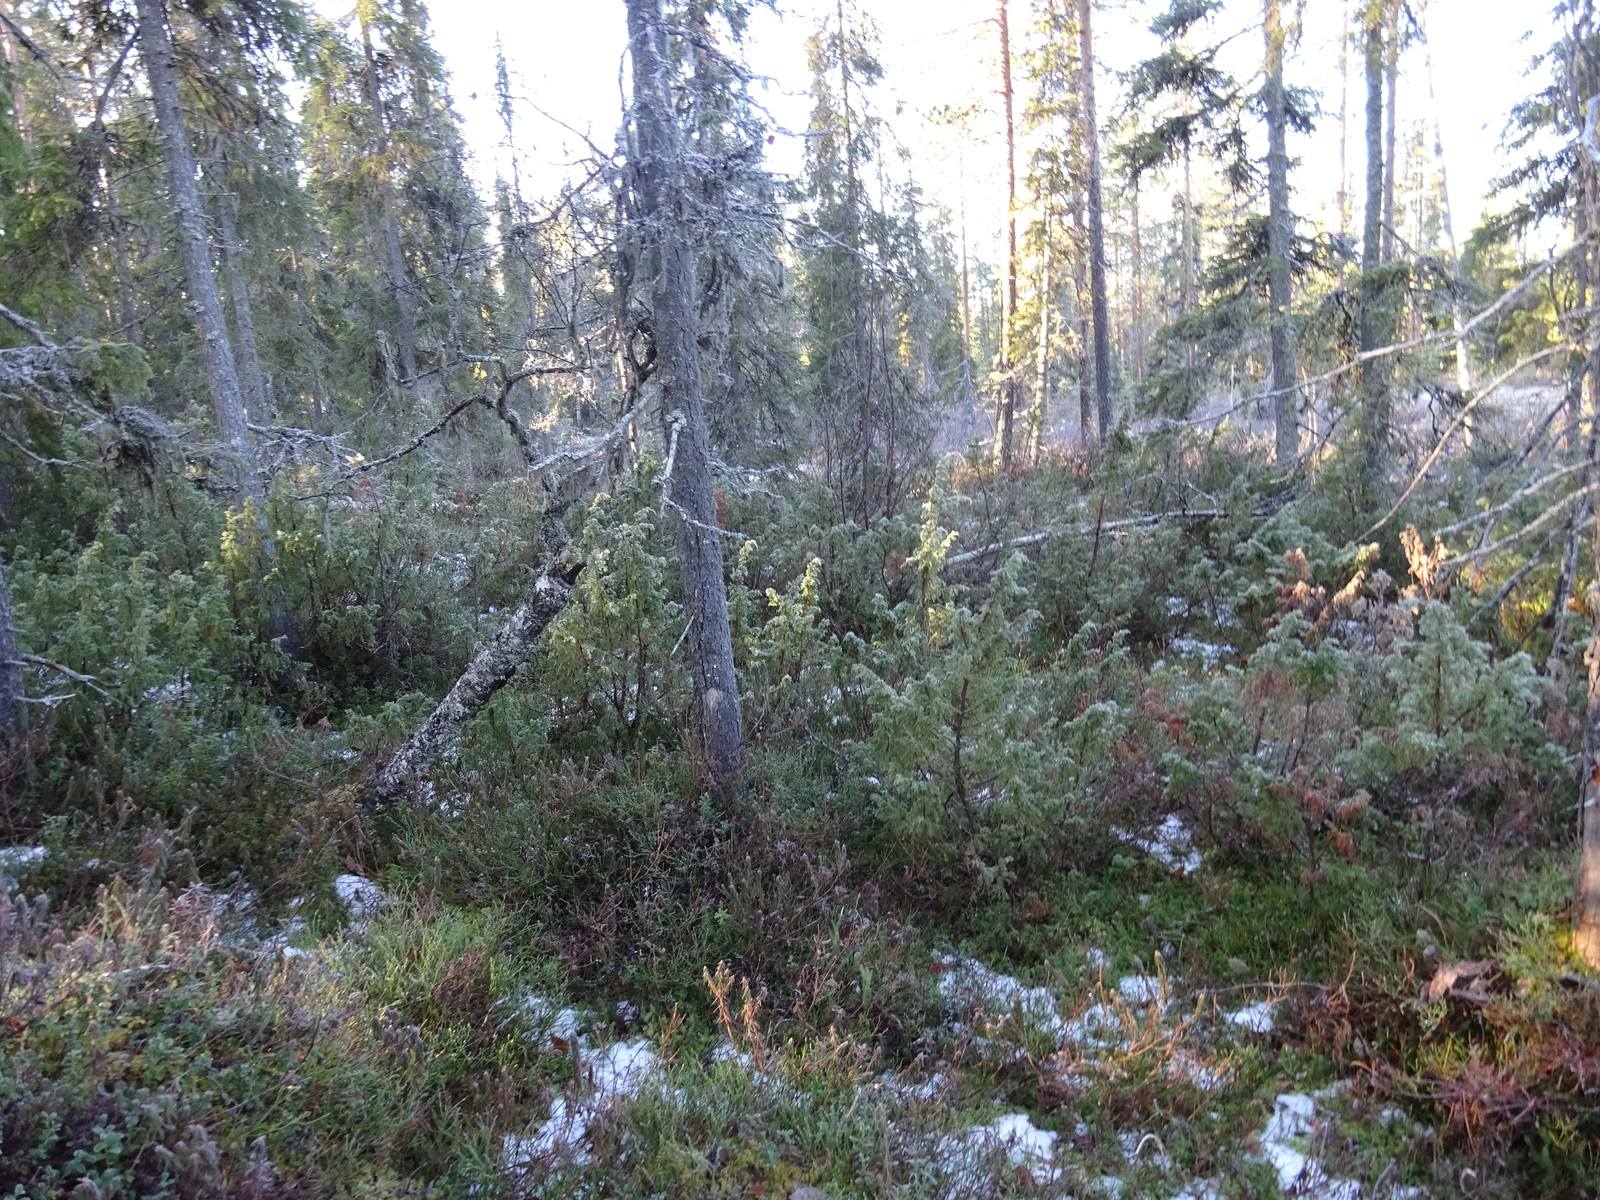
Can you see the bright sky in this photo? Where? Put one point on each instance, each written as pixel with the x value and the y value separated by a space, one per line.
pixel 566 60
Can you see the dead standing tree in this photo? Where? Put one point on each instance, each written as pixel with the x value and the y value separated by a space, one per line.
pixel 662 178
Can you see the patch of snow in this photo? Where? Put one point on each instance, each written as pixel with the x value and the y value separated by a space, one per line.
pixel 361 897
pixel 1170 846
pixel 967 1157
pixel 1209 653
pixel 612 1075
pixel 1143 989
pixel 969 984
pixel 1254 1018
pixel 1293 1121
pixel 1094 958
pixel 551 1023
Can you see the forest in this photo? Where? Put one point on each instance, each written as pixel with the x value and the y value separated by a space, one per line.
pixel 696 677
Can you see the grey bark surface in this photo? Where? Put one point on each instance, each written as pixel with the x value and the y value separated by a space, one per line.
pixel 1008 365
pixel 13 721
pixel 251 379
pixel 489 671
pixel 1391 71
pixel 394 258
pixel 661 177
pixel 1374 374
pixel 1285 401
pixel 1097 229
pixel 227 401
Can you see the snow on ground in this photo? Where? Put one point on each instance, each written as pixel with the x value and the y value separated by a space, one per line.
pixel 1293 1121
pixel 1254 1018
pixel 967 1157
pixel 612 1075
pixel 363 898
pixel 1170 846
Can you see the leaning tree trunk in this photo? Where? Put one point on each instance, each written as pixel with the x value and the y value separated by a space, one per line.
pixel 1097 228
pixel 490 671
pixel 1285 410
pixel 227 402
pixel 13 722
pixel 660 172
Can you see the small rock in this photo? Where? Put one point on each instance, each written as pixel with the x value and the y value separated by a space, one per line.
pixel 804 1191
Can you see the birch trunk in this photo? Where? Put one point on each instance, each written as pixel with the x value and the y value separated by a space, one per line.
pixel 161 66
pixel 1286 410
pixel 661 178
pixel 1097 230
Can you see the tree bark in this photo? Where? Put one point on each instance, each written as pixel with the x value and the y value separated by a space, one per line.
pixel 1008 320
pixel 389 222
pixel 490 671
pixel 1097 230
pixel 661 175
pixel 1391 71
pixel 161 66
pixel 1586 903
pixel 1374 380
pixel 13 719
pixel 1285 406
pixel 244 323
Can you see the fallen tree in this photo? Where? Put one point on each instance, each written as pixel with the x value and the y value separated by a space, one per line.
pixel 493 666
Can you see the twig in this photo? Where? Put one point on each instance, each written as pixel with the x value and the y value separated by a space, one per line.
pixel 1460 419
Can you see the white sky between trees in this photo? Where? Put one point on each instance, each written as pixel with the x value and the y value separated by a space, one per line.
pixel 566 58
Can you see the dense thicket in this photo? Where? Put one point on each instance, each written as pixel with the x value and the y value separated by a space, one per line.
pixel 693 575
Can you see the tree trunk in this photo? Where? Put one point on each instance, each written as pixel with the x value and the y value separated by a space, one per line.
pixel 161 65
pixel 388 220
pixel 490 671
pixel 244 322
pixel 1097 231
pixel 1391 72
pixel 1374 375
pixel 661 179
pixel 1138 288
pixel 1008 380
pixel 1586 903
pixel 13 718
pixel 1342 198
pixel 1285 401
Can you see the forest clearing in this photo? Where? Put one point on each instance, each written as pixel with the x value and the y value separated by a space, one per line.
pixel 679 675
